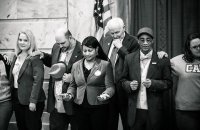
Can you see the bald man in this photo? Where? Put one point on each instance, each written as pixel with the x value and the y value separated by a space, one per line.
pixel 68 50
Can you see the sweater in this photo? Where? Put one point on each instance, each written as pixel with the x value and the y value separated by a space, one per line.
pixel 5 94
pixel 188 88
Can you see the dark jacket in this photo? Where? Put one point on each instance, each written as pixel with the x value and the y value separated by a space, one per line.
pixel 129 44
pixel 159 73
pixel 49 60
pixel 30 80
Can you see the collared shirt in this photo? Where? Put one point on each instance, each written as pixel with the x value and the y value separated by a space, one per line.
pixel 16 69
pixel 64 56
pixel 142 96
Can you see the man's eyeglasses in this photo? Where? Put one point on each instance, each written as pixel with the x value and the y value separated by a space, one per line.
pixel 195 47
pixel 148 40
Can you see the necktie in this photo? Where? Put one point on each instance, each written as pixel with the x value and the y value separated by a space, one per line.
pixel 113 56
pixel 113 59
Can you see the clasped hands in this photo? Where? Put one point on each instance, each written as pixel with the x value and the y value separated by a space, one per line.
pixel 134 84
pixel 32 107
pixel 68 96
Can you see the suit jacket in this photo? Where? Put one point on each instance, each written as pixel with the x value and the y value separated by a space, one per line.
pixel 129 44
pixel 100 80
pixel 49 60
pixel 30 80
pixel 159 73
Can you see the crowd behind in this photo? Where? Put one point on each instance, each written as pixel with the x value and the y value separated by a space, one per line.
pixel 93 82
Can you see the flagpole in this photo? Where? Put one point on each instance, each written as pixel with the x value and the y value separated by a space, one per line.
pixel 67 14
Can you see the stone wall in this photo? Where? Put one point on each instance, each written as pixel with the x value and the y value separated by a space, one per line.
pixel 43 17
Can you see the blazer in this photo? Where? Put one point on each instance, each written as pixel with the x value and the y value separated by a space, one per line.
pixel 129 44
pixel 159 73
pixel 30 80
pixel 49 60
pixel 100 80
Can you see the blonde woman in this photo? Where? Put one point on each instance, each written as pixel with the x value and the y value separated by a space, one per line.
pixel 26 77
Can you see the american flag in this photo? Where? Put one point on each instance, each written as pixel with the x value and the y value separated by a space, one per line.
pixel 101 14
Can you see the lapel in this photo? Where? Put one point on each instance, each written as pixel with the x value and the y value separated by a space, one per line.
pixel 23 68
pixel 74 56
pixel 152 67
pixel 125 41
pixel 55 56
pixel 107 44
pixel 136 61
pixel 80 71
pixel 95 68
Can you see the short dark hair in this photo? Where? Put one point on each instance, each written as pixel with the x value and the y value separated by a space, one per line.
pixel 92 42
pixel 188 56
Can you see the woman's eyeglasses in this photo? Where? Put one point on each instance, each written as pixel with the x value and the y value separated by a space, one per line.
pixel 195 47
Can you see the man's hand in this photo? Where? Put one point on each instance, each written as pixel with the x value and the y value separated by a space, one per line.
pixel 36 53
pixel 134 85
pixel 67 77
pixel 162 54
pixel 147 83
pixel 117 43
pixel 32 107
pixel 8 58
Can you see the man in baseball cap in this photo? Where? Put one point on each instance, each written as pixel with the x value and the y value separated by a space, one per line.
pixel 145 30
pixel 145 78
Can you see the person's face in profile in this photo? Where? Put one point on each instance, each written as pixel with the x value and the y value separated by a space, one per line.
pixel 145 42
pixel 195 47
pixel 23 42
pixel 89 53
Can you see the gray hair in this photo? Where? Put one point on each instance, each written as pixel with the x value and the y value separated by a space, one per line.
pixel 115 22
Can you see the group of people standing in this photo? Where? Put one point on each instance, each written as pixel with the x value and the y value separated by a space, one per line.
pixel 92 83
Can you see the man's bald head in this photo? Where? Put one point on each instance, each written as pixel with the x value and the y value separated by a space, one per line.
pixel 62 34
pixel 62 37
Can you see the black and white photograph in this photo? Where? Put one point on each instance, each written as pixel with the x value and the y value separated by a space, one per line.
pixel 99 65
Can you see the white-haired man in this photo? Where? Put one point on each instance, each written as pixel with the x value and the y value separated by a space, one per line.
pixel 117 46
